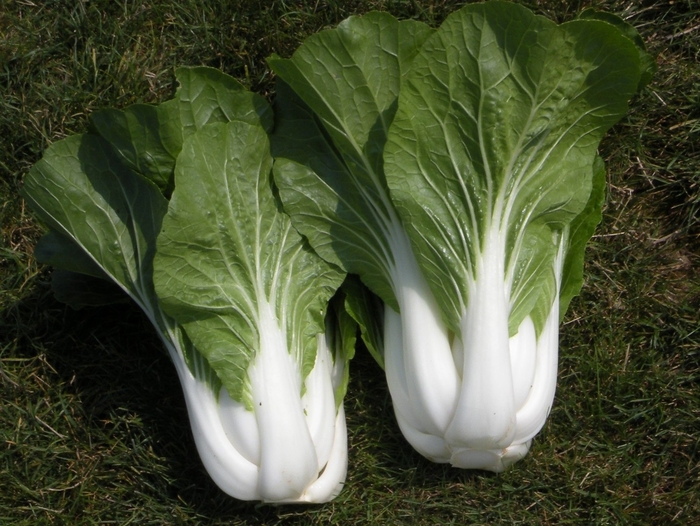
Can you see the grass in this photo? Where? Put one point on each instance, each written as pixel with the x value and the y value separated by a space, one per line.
pixel 93 428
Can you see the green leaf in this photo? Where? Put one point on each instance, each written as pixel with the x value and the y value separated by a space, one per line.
pixel 322 198
pixel 646 61
pixel 341 334
pixel 148 138
pixel 226 252
pixel 77 279
pixel 63 253
pixel 580 232
pixel 82 290
pixel 207 95
pixel 329 137
pixel 140 140
pixel 535 278
pixel 81 189
pixel 368 312
pixel 494 140
pixel 97 193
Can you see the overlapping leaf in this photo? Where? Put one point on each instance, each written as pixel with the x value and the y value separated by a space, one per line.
pixel 226 251
pixel 497 129
pixel 103 194
pixel 329 139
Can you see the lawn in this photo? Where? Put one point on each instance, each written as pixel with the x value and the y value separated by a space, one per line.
pixel 93 427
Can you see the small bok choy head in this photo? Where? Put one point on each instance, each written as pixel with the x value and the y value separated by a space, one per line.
pixel 252 297
pixel 457 173
pixel 173 204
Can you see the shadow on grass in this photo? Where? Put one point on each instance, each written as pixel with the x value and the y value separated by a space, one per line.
pixel 92 405
pixel 96 427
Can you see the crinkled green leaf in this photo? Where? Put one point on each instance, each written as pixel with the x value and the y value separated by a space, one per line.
pixel 82 190
pixel 339 222
pixel 497 128
pixel 101 193
pixel 646 61
pixel 580 231
pixel 140 140
pixel 368 312
pixel 330 134
pixel 148 138
pixel 226 250
pixel 208 95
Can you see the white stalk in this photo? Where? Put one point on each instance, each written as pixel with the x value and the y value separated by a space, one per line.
pixel 330 482
pixel 485 414
pixel 289 448
pixel 479 405
pixel 533 412
pixel 496 460
pixel 318 404
pixel 288 461
pixel 228 468
pixel 523 359
pixel 419 364
pixel 413 424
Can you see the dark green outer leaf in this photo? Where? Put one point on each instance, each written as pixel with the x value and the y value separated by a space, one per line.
pixel 148 138
pixel 368 312
pixel 207 95
pixel 319 194
pixel 350 78
pixel 142 139
pixel 81 290
pixel 104 216
pixel 60 251
pixel 580 231
pixel 81 189
pixel 341 335
pixel 497 127
pixel 329 143
pixel 646 61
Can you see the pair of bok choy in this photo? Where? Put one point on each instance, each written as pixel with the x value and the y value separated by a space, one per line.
pixel 454 170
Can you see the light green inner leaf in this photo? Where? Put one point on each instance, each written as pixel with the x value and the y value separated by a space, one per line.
pixel 494 141
pixel 226 253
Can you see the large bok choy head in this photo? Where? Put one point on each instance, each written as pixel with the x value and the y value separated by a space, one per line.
pixel 461 181
pixel 243 308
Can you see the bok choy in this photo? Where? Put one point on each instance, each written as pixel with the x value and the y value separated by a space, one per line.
pixel 457 173
pixel 174 205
